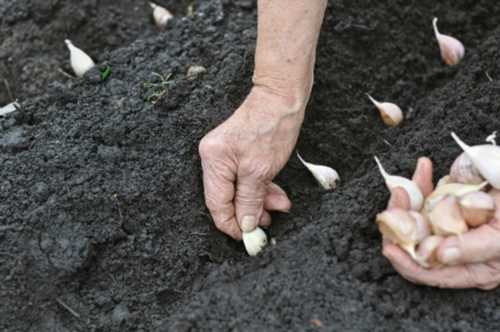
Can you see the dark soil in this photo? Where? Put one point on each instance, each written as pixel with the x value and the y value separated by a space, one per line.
pixel 102 221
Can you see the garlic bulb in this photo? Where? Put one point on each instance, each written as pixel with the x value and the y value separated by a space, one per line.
pixel 463 171
pixel 426 252
pixel 446 218
pixel 161 15
pixel 452 50
pixel 254 241
pixel 477 208
pixel 326 176
pixel 80 61
pixel 486 158
pixel 423 226
pixel 411 188
pixel 453 189
pixel 391 113
pixel 399 227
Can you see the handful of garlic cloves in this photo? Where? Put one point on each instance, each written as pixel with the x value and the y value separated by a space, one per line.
pixel 461 201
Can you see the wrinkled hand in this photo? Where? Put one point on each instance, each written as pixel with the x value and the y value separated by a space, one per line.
pixel 241 157
pixel 472 261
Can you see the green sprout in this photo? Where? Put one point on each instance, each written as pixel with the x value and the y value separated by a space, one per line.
pixel 105 73
pixel 156 90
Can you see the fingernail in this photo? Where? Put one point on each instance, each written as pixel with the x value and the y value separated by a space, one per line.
pixel 248 224
pixel 450 256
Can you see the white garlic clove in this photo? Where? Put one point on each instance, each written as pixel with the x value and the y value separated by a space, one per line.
pixel 463 171
pixel 161 15
pixel 80 61
pixel 9 108
pixel 399 227
pixel 411 188
pixel 194 71
pixel 391 113
pixel 446 218
pixel 422 224
pixel 452 50
pixel 486 158
pixel 477 208
pixel 444 180
pixel 326 176
pixel 426 252
pixel 453 189
pixel 254 241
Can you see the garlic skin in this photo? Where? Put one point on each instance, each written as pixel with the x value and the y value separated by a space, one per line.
pixel 422 225
pixel 446 218
pixel 477 208
pixel 399 227
pixel 254 241
pixel 452 50
pixel 391 113
pixel 161 15
pixel 486 158
pixel 80 61
pixel 463 171
pixel 326 176
pixel 426 251
pixel 411 188
pixel 444 180
pixel 453 189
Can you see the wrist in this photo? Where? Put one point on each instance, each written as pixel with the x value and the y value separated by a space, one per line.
pixel 293 93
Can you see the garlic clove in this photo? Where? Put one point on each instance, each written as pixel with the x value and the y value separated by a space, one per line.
pixel 80 61
pixel 427 249
pixel 444 180
pixel 486 158
pixel 9 108
pixel 463 171
pixel 194 71
pixel 391 113
pixel 411 188
pixel 161 15
pixel 446 218
pixel 422 224
pixel 452 50
pixel 326 176
pixel 477 208
pixel 453 189
pixel 399 227
pixel 254 241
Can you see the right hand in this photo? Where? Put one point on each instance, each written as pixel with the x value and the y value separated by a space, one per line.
pixel 241 157
pixel 473 261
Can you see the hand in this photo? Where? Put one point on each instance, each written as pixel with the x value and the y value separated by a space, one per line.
pixel 241 157
pixel 471 262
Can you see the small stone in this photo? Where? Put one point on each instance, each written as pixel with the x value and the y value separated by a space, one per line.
pixel 120 313
pixel 195 71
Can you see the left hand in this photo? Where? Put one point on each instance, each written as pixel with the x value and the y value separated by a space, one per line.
pixel 470 262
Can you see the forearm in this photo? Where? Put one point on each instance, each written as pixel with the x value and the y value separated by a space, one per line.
pixel 287 37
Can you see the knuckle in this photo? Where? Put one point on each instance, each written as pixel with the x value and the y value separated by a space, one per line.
pixel 210 145
pixel 258 171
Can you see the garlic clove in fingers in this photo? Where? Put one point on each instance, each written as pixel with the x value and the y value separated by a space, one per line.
pixel 486 158
pixel 254 241
pixel 453 189
pixel 80 61
pixel 463 171
pixel 411 188
pixel 452 50
pixel 326 176
pixel 161 15
pixel 399 227
pixel 422 224
pixel 477 208
pixel 426 251
pixel 391 113
pixel 446 218
pixel 444 180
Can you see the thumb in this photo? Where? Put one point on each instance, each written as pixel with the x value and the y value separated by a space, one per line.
pixel 477 246
pixel 249 202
